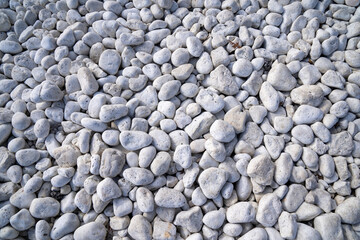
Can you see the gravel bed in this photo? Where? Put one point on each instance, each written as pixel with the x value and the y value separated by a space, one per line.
pixel 180 119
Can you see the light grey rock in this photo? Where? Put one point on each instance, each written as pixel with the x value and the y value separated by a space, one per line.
pixel 236 118
pixel 261 169
pixel 112 162
pixel 252 134
pixel 110 61
pixel 211 181
pixel 169 90
pixel 107 189
pixel 90 231
pixel 109 113
pixel 242 68
pixel 269 210
pixel 280 78
pixel 169 198
pixel 214 219
pixel 134 140
pixel 329 226
pixel 163 230
pixel 306 114
pixel 22 220
pixel 309 75
pixel 287 225
pixel 222 131
pixel 283 168
pixel 140 228
pixel 269 97
pixel 190 219
pixel 145 200
pixel 341 144
pixel 138 176
pixel 222 80
pixel 11 47
pixel 44 207
pixel 200 125
pixel 349 210
pixel 307 212
pixel 42 230
pixel 258 113
pixel 87 81
pixel 276 45
pixel 215 149
pixel 6 212
pixel 182 72
pixel 64 225
pixel 255 233
pixel 333 79
pixel 122 206
pixel 303 133
pixel 294 197
pixel 27 157
pixel 242 212
pixel 283 124
pixel 182 156
pixel 194 46
pixel 204 65
pixel 306 232
pixel 274 145
pixel 352 58
pixel 210 101
pixel 311 95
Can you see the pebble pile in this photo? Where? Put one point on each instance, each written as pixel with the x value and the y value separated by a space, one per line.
pixel 180 119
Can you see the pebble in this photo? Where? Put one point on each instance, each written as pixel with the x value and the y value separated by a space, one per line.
pixel 169 198
pixel 211 181
pixel 242 212
pixel 110 61
pixel 44 207
pixel 140 228
pixel 22 220
pixel 87 81
pixel 329 226
pixel 307 95
pixel 349 210
pixel 222 80
pixel 269 210
pixel 281 78
pixel 91 231
pixel 107 189
pixel 222 131
pixel 261 169
pixel 138 176
pixel 306 114
pixel 269 97
pixel 135 140
pixel 66 224
pixel 190 219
